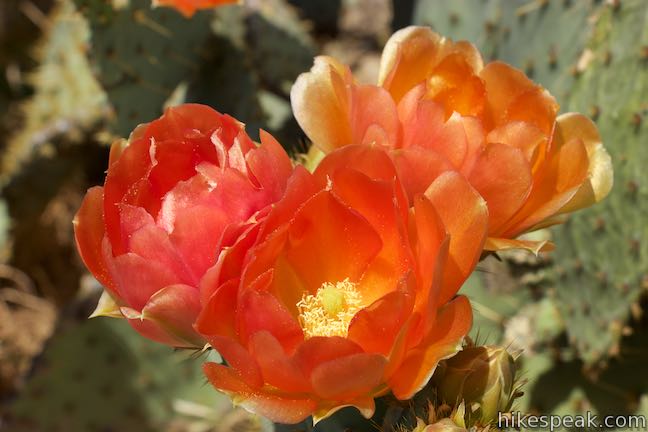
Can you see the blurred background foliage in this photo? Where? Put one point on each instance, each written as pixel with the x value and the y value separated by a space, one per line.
pixel 75 74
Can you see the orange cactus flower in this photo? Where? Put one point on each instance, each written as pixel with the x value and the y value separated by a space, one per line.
pixel 183 188
pixel 189 7
pixel 348 292
pixel 438 108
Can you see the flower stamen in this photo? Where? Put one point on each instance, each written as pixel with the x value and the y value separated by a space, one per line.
pixel 330 310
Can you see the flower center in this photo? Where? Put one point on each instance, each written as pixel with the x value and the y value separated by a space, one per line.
pixel 330 310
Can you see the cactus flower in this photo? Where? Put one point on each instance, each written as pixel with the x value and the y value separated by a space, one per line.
pixel 189 7
pixel 438 108
pixel 479 376
pixel 347 293
pixel 179 191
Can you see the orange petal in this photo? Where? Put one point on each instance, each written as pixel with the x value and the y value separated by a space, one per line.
pixel 465 216
pixel 411 54
pixel 374 200
pixel 259 310
pixel 239 359
pixel 138 279
pixel 218 314
pixel 300 187
pixel 504 84
pixel 152 330
pixel 229 264
pixel 521 135
pixel 425 125
pixel 225 378
pixel 276 367
pixel 348 377
pixel 280 409
pixel 317 350
pixel 453 323
pixel 175 308
pixel 372 161
pixel 149 241
pixel 375 327
pixel 270 165
pixel 374 119
pixel 329 242
pixel 320 102
pixel 366 406
pixel 600 173
pixel 536 107
pixel 418 167
pixel 453 84
pixel 555 184
pixel 431 241
pixel 334 111
pixel 89 233
pixel 502 176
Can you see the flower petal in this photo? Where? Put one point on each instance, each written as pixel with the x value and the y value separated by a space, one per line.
pixel 217 316
pixel 600 172
pixel 425 125
pixel 513 96
pixel 411 54
pixel 329 242
pixel 375 327
pixel 276 367
pixel 259 310
pixel 555 184
pixel 280 409
pixel 320 349
pixel 453 323
pixel 138 279
pixel 175 308
pixel 334 111
pixel 502 176
pixel 89 232
pixel 320 102
pixel 348 377
pixel 465 216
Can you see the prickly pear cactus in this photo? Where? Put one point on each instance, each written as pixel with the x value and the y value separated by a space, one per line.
pixel 592 57
pixel 66 97
pixel 602 258
pixel 256 54
pixel 562 388
pixel 142 54
pixel 102 376
pixel 280 46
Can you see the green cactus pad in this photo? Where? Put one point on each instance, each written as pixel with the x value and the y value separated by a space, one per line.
pixel 101 375
pixel 66 100
pixel 602 254
pixel 141 55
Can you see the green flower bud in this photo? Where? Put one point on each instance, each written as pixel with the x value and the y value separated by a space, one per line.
pixel 483 378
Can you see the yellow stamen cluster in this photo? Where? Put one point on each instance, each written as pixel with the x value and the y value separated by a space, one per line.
pixel 330 310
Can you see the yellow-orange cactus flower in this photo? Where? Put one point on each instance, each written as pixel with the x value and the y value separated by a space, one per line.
pixel 348 292
pixel 189 7
pixel 438 108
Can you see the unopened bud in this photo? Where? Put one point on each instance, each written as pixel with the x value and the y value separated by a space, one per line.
pixel 481 378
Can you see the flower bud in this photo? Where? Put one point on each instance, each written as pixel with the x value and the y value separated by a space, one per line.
pixel 482 378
